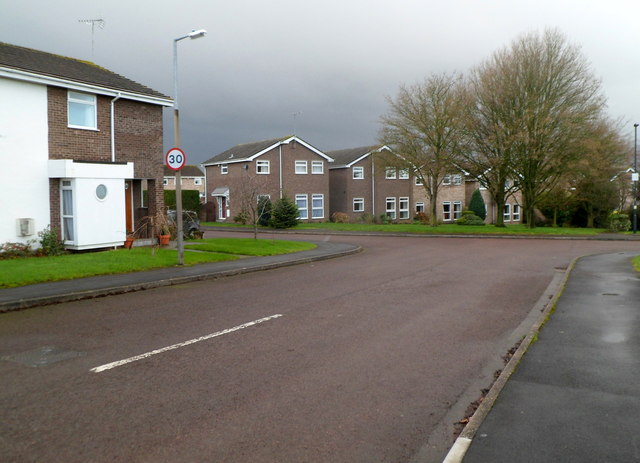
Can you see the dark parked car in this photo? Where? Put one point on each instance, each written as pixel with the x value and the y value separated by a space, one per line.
pixel 190 223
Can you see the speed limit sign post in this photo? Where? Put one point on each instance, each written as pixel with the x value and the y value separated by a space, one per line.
pixel 175 160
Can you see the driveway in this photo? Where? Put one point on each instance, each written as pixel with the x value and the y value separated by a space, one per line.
pixel 364 358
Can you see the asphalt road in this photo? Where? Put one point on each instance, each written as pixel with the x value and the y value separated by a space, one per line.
pixel 367 359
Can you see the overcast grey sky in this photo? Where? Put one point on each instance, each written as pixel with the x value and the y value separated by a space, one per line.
pixel 331 61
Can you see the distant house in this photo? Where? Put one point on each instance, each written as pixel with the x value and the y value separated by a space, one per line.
pixel 454 196
pixel 360 186
pixel 192 177
pixel 287 166
pixel 80 144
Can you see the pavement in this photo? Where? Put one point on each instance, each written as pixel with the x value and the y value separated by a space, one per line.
pixel 85 288
pixel 574 395
pixel 570 392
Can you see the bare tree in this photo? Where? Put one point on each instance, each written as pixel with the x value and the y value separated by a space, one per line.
pixel 531 105
pixel 251 194
pixel 604 153
pixel 423 129
pixel 557 98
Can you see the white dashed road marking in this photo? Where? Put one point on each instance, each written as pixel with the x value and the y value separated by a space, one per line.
pixel 111 365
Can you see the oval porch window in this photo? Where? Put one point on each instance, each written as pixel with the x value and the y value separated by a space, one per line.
pixel 101 192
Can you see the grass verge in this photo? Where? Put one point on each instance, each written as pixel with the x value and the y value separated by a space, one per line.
pixel 250 246
pixel 31 270
pixel 447 229
pixel 636 263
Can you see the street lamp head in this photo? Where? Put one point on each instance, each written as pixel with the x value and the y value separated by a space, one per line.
pixel 197 34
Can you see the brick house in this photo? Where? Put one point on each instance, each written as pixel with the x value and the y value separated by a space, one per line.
pixel 192 179
pixel 360 186
pixel 279 167
pixel 455 194
pixel 89 144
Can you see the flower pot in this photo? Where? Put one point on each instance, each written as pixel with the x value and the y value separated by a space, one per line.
pixel 164 240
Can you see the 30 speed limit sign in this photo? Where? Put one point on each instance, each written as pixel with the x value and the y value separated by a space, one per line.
pixel 175 159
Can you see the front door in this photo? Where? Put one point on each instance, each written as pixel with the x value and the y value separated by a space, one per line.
pixel 128 205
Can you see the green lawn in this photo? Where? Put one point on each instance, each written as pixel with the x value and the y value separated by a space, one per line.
pixel 448 229
pixel 30 270
pixel 250 246
pixel 636 263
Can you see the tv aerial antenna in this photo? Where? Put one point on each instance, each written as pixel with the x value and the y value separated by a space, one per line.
pixel 94 22
pixel 295 115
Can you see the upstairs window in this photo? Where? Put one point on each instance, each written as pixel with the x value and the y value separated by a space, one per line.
pixel 82 111
pixel 403 174
pixel 317 167
pixel 457 179
pixel 446 180
pixel 390 173
pixel 301 167
pixel 358 173
pixel 262 167
pixel 224 169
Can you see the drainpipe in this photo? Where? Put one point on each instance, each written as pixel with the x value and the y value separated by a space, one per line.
pixel 280 167
pixel 373 188
pixel 113 132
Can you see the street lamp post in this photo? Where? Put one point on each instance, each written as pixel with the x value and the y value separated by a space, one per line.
pixel 635 178
pixel 176 137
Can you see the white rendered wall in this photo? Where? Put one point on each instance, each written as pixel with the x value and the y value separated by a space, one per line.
pixel 24 180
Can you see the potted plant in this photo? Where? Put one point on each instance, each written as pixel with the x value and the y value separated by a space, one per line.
pixel 165 235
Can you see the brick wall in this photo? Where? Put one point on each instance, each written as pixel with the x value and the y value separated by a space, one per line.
pixel 138 139
pixel 292 183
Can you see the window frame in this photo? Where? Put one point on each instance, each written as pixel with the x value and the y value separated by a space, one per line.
pixel 314 208
pixel 360 202
pixel 456 210
pixel 420 206
pixel 446 211
pixel 403 212
pixel 446 180
pixel 355 169
pixel 506 212
pixel 263 167
pixel 68 216
pixel 301 167
pixel 390 173
pixel 515 213
pixel 314 167
pixel 391 212
pixel 224 169
pixel 92 102
pixel 457 179
pixel 305 209
pixel 403 174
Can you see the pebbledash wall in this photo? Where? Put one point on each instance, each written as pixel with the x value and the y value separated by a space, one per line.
pixel 24 157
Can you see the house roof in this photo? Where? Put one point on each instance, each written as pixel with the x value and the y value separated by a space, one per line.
pixel 25 63
pixel 186 171
pixel 348 157
pixel 249 151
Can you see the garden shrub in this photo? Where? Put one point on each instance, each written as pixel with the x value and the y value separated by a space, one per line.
pixel 242 217
pixel 469 218
pixel 421 217
pixel 477 205
pixel 50 244
pixel 264 211
pixel 339 217
pixel 190 200
pixel 619 222
pixel 284 214
pixel 11 250
pixel 365 217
